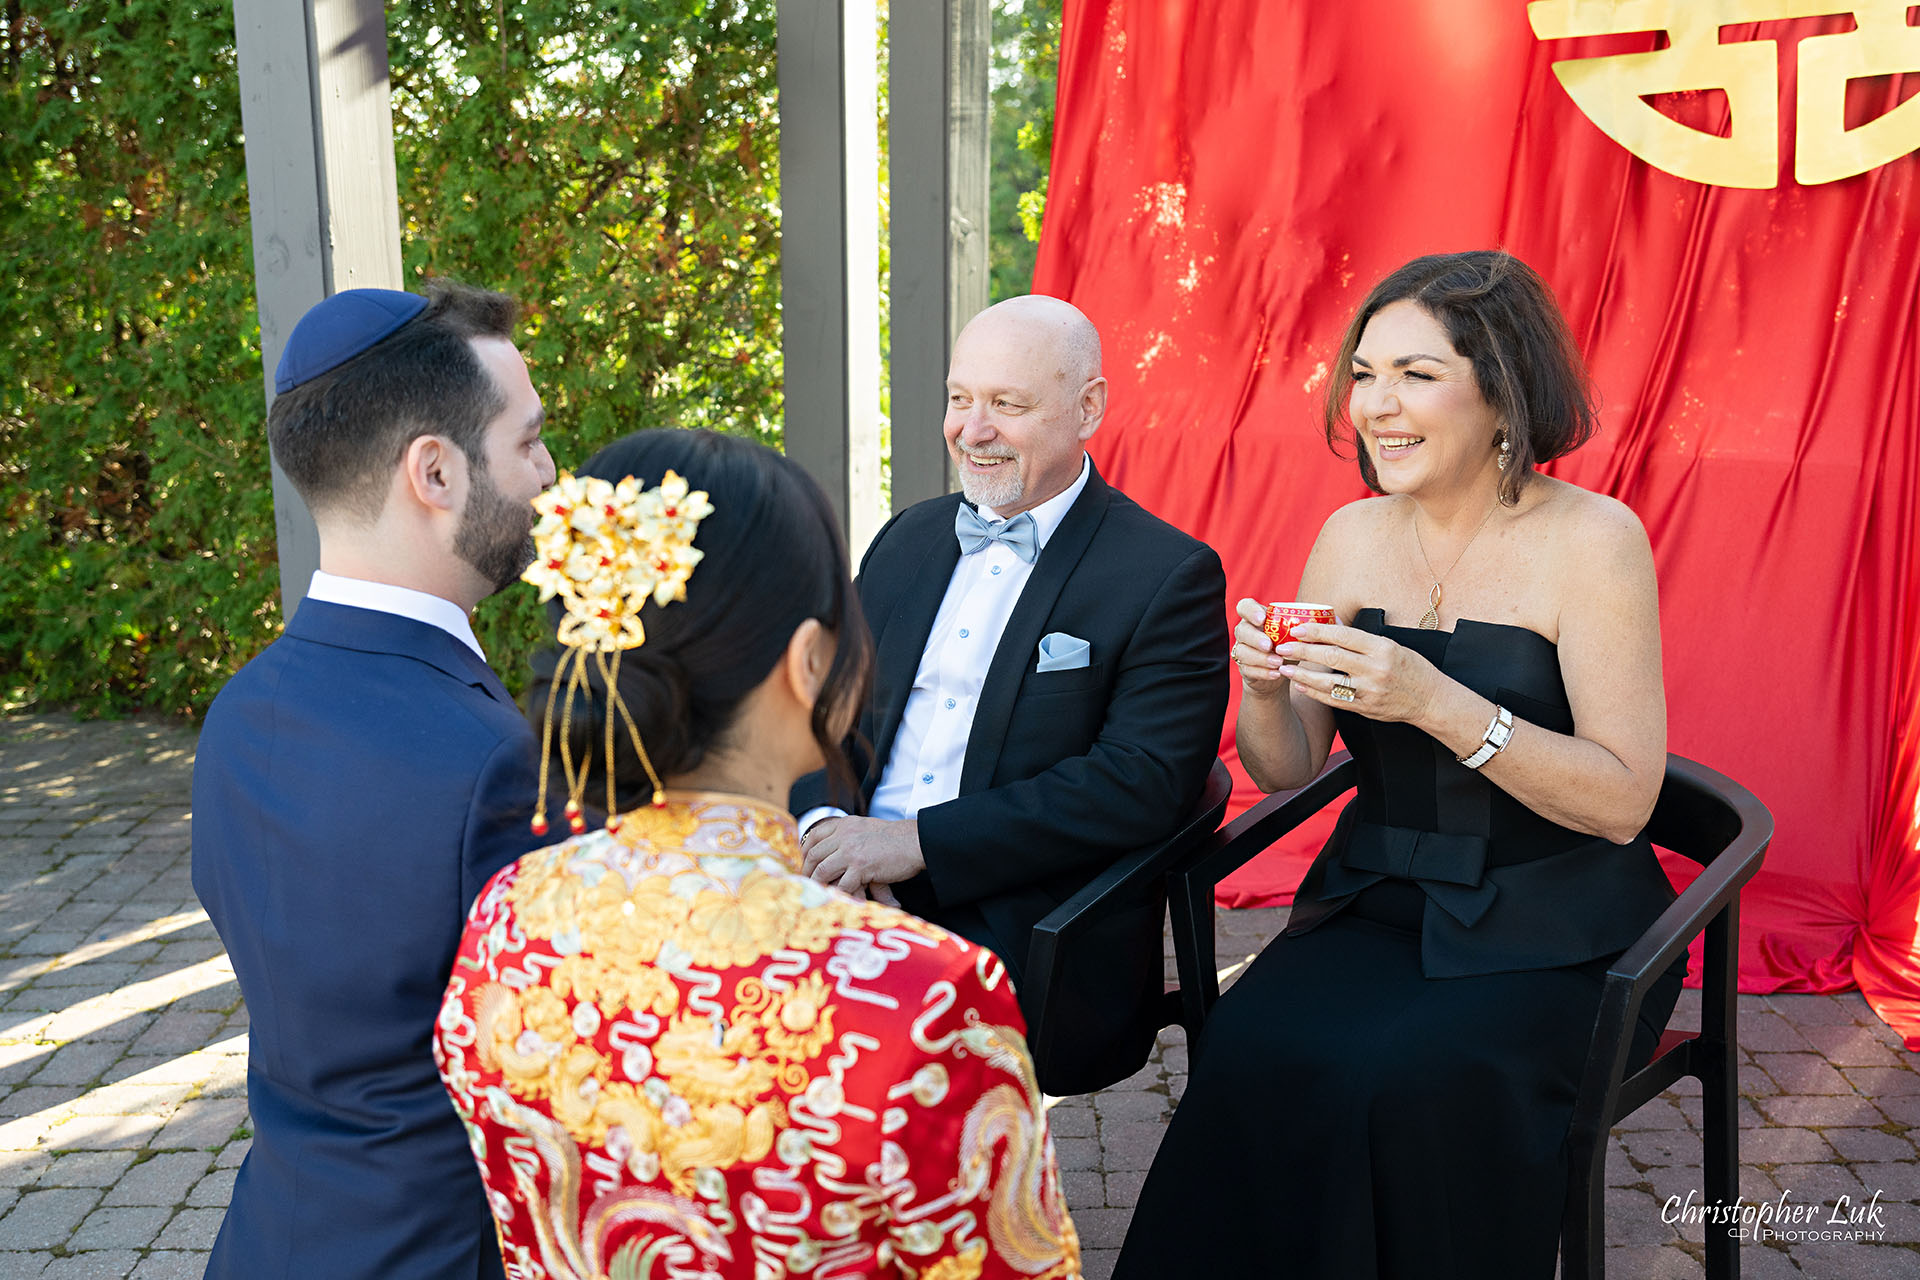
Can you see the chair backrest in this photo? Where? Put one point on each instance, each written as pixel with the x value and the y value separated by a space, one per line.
pixel 1701 811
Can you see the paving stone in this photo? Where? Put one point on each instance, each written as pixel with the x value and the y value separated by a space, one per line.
pixel 204 1122
pixel 106 1133
pixel 1818 1011
pixel 171 1264
pixel 1884 1082
pixel 1102 1228
pixel 86 1168
pixel 36 1098
pixel 1123 1188
pixel 1757 1262
pixel 1901 1109
pixel 192 1229
pixel 1650 1262
pixel 213 1191
pixel 24 1266
pixel 79 1062
pixel 1805 1073
pixel 1658 1113
pixel 1070 1122
pixel 233 1154
pixel 161 1180
pixel 106 1264
pixel 1662 1147
pixel 1083 1189
pixel 1765 1031
pixel 1854 1261
pixel 1131 1108
pixel 1821 1111
pixel 1130 1146
pixel 1852 1046
pixel 1098 1264
pixel 1818 1184
pixel 120 1228
pixel 44 1219
pixel 1869 1144
pixel 1074 1154
pixel 132 1100
pixel 1899 1181
pixel 178 1032
pixel 1633 1217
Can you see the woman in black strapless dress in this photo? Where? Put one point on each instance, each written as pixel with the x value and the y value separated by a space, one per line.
pixel 1385 1092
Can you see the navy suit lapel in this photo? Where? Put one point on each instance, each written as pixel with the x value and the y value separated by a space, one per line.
pixel 372 631
pixel 1019 643
pixel 904 641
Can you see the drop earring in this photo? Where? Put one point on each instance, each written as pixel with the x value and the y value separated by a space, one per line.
pixel 1506 452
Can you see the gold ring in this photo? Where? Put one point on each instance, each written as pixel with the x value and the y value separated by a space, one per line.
pixel 1343 693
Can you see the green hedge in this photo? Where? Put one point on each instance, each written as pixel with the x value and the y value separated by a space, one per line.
pixel 612 164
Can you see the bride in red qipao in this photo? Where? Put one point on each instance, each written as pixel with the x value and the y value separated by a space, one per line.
pixel 676 1055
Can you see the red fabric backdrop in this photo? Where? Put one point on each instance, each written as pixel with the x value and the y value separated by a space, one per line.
pixel 1231 176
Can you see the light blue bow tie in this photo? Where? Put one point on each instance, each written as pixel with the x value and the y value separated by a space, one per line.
pixel 1019 533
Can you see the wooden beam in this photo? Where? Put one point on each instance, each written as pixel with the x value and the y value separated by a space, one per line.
pixel 830 252
pixel 938 154
pixel 320 182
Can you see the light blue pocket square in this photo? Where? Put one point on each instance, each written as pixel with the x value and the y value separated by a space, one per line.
pixel 1062 652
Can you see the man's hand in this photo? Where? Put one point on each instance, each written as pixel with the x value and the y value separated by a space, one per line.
pixel 852 853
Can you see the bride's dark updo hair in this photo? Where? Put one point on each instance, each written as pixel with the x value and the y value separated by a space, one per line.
pixel 773 558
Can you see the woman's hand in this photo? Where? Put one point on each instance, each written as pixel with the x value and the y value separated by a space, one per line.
pixel 1387 681
pixel 1260 672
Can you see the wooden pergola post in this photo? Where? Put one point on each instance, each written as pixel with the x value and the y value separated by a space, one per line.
pixel 320 176
pixel 320 183
pixel 937 153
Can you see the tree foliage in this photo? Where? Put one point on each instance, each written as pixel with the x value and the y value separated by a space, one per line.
pixel 613 165
pixel 136 524
pixel 1026 60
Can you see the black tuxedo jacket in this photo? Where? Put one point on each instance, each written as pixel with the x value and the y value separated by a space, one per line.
pixel 1065 771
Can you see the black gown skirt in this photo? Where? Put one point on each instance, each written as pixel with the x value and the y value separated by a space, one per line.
pixel 1349 1117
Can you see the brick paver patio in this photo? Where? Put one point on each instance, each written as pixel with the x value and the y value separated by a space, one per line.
pixel 123 1053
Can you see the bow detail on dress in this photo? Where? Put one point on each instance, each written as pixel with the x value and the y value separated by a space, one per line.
pixel 1449 868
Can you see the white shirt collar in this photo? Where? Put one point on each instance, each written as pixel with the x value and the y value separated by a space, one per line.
pixel 405 602
pixel 1048 515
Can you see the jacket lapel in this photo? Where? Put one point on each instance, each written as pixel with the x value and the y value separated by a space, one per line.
pixel 904 641
pixel 372 631
pixel 1019 643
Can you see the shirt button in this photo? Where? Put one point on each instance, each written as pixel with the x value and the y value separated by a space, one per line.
pixel 963 633
pixel 995 571
pixel 950 704
pixel 926 777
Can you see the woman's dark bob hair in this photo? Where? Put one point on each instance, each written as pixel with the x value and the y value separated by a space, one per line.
pixel 1500 315
pixel 772 558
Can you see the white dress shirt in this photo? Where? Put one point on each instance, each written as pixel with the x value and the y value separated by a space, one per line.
pixel 405 602
pixel 923 766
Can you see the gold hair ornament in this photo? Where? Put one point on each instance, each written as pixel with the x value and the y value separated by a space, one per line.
pixel 605 550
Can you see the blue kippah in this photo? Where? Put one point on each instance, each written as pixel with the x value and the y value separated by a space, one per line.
pixel 339 328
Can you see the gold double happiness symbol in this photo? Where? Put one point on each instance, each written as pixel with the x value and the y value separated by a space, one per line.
pixel 1609 89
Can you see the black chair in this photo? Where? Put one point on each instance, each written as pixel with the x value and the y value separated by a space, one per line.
pixel 1701 815
pixel 1079 1039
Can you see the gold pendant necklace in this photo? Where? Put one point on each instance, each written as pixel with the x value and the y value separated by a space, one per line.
pixel 1430 620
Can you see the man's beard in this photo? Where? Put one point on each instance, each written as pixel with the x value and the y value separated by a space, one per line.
pixel 496 533
pixel 1002 488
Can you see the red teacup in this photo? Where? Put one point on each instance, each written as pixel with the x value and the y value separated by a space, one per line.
pixel 1283 617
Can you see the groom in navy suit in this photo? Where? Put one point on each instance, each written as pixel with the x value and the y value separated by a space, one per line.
pixel 359 781
pixel 1049 683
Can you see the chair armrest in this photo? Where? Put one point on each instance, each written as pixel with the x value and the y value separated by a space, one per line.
pixel 1191 883
pixel 1710 818
pixel 1132 873
pixel 1250 834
